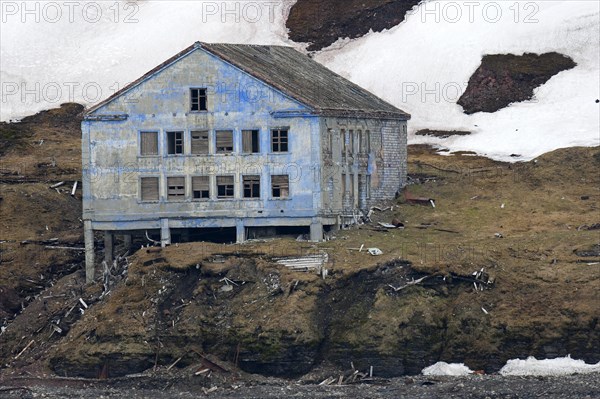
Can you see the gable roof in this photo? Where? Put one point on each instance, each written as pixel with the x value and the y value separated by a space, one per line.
pixel 295 75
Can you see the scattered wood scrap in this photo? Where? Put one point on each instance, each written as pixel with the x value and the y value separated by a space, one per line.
pixel 412 199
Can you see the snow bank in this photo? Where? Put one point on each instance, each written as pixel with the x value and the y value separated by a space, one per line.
pixel 83 51
pixel 423 66
pixel 451 369
pixel 548 367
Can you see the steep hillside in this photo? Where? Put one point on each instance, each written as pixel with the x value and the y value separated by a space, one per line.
pixel 532 227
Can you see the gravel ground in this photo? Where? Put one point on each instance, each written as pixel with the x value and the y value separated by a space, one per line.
pixel 418 387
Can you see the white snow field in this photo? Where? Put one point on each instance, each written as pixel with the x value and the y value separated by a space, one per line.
pixel 83 51
pixel 52 52
pixel 424 64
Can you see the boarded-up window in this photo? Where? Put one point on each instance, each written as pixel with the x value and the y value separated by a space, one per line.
pixel 279 140
pixel 175 143
pixel 250 143
pixel 149 188
pixel 251 186
pixel 200 142
pixel 175 188
pixel 225 187
pixel 224 140
pixel 198 100
pixel 280 186
pixel 200 187
pixel 149 143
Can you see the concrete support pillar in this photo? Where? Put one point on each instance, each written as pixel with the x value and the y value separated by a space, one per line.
pixel 165 233
pixel 109 241
pixel 240 231
pixel 316 230
pixel 127 242
pixel 88 235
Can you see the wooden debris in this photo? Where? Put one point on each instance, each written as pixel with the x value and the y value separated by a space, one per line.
pixel 174 363
pixel 24 349
pixel 64 248
pixel 74 188
pixel 411 283
pixel 57 184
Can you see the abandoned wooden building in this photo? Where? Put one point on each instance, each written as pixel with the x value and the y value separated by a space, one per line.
pixel 247 138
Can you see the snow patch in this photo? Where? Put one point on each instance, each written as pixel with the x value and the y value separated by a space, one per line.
pixel 451 369
pixel 548 367
pixel 423 66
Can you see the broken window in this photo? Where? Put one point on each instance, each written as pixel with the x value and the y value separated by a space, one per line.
pixel 361 143
pixel 279 140
pixel 225 187
pixel 198 99
pixel 175 188
pixel 200 142
pixel 224 141
pixel 250 143
pixel 149 188
pixel 174 143
pixel 251 186
pixel 149 143
pixel 343 184
pixel 200 187
pixel 280 186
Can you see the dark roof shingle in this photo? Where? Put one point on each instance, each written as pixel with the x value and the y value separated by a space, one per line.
pixel 305 80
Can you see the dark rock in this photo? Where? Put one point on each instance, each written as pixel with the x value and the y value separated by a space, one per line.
pixel 321 23
pixel 502 79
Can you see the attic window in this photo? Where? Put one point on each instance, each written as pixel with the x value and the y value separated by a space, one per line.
pixel 280 186
pixel 198 99
pixel 224 141
pixel 279 140
pixel 225 188
pixel 175 143
pixel 250 143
